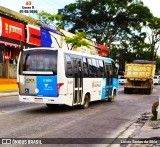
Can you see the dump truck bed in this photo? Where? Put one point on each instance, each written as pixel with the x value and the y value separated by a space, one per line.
pixel 139 71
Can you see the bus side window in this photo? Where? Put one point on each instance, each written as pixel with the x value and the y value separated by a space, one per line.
pixel 115 70
pixel 75 71
pixel 68 66
pixel 90 68
pixel 101 68
pixel 94 68
pixel 107 70
pixel 110 70
pixel 85 67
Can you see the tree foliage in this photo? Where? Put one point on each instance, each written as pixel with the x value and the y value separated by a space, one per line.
pixel 107 21
pixel 49 18
pixel 153 36
pixel 77 40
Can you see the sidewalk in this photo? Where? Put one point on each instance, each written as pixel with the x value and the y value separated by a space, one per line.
pixel 149 131
pixel 8 90
pixel 144 132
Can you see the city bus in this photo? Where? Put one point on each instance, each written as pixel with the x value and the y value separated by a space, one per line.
pixel 57 76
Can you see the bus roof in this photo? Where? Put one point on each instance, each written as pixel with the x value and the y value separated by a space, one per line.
pixel 71 52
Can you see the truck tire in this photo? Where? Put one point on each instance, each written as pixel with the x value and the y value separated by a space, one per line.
pixel 126 90
pixel 154 109
pixel 149 91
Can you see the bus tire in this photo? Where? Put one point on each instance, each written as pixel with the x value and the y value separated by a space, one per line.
pixel 155 108
pixel 86 102
pixel 113 97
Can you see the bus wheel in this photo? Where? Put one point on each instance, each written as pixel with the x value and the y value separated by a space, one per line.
pixel 155 109
pixel 86 102
pixel 113 97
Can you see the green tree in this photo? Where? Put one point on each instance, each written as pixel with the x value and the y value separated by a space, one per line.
pixel 153 36
pixel 77 41
pixel 49 18
pixel 106 20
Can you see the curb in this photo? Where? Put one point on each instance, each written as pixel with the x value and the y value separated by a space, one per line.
pixel 5 94
pixel 132 133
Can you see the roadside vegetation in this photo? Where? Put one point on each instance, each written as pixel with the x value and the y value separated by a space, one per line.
pixel 107 22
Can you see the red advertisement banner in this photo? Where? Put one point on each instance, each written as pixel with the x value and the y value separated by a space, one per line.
pixel 12 29
pixel 33 35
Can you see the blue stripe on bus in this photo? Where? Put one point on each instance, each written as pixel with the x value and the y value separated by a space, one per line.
pixel 105 87
pixel 103 95
pixel 47 86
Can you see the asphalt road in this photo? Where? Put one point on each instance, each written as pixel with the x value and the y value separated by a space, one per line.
pixel 101 120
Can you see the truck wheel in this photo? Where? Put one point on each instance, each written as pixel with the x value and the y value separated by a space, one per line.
pixel 155 109
pixel 86 102
pixel 149 91
pixel 125 90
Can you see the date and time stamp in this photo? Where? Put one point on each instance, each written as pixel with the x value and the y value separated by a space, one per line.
pixel 28 8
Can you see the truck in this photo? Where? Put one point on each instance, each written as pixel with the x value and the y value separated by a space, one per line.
pixel 139 76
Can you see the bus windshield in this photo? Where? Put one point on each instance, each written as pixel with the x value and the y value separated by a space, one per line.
pixel 36 61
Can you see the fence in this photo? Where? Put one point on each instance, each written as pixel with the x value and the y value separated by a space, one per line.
pixel 8 71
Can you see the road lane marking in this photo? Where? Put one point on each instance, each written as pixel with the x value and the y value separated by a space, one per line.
pixel 21 109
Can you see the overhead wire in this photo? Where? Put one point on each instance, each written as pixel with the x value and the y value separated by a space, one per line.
pixel 50 4
pixel 55 2
pixel 39 4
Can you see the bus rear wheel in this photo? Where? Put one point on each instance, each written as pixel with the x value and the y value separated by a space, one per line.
pixel 113 97
pixel 86 102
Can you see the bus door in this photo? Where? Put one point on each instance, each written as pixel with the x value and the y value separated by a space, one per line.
pixel 108 68
pixel 77 81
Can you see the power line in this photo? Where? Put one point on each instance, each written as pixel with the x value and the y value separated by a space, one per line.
pixel 55 2
pixel 58 3
pixel 39 4
pixel 51 4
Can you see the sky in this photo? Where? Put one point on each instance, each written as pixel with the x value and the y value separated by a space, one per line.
pixel 153 5
pixel 52 6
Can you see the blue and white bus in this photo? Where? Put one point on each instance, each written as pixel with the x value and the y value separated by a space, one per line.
pixel 56 76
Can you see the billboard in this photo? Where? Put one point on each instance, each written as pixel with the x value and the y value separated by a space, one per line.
pixel 12 29
pixel 33 35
